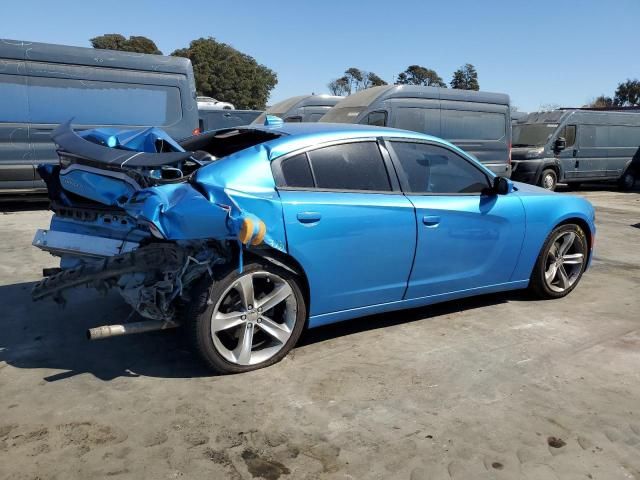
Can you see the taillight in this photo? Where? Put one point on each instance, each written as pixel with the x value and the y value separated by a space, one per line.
pixel 196 131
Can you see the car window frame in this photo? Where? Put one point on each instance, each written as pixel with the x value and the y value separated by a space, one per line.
pixel 404 185
pixel 278 176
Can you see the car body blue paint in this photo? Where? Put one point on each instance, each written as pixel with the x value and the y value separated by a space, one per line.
pixel 365 253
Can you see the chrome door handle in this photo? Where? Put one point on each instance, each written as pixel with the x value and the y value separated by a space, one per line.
pixel 309 217
pixel 431 220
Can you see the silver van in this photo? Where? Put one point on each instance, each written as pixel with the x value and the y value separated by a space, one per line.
pixel 303 108
pixel 477 122
pixel 43 85
pixel 577 145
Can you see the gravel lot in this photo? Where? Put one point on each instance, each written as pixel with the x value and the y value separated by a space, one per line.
pixel 493 387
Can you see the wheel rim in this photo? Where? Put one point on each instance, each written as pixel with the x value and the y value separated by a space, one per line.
pixel 549 181
pixel 564 262
pixel 254 318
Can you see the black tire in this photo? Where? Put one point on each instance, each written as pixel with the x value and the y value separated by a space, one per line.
pixel 197 317
pixel 538 284
pixel 627 180
pixel 548 179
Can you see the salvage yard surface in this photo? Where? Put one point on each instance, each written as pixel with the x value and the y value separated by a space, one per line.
pixel 498 386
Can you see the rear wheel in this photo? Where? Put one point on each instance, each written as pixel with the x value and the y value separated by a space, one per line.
pixel 560 263
pixel 248 320
pixel 548 179
pixel 628 180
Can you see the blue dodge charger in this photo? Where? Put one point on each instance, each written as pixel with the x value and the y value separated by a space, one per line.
pixel 246 236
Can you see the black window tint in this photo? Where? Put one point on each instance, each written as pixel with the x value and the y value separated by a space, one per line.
pixel 352 166
pixel 296 171
pixel 378 119
pixel 461 124
pixel 569 134
pixel 425 120
pixel 13 99
pixel 431 169
pixel 53 100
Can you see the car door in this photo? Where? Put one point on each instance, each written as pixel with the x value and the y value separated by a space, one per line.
pixel 591 156
pixel 568 156
pixel 348 225
pixel 468 238
pixel 16 154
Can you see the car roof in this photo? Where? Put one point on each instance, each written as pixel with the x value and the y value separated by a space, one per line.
pixel 295 136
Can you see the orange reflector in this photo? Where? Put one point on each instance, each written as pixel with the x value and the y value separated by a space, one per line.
pixel 246 231
pixel 262 229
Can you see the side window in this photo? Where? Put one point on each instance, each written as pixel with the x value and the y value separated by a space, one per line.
pixel 431 169
pixel 594 136
pixel 378 119
pixel 424 120
pixel 569 134
pixel 466 125
pixel 296 172
pixel 54 100
pixel 623 136
pixel 350 166
pixel 13 92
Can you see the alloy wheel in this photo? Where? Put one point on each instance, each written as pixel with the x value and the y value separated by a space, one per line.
pixel 254 318
pixel 564 262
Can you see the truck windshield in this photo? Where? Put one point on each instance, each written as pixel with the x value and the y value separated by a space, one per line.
pixel 532 134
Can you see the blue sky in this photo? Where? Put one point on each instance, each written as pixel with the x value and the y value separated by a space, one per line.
pixel 539 52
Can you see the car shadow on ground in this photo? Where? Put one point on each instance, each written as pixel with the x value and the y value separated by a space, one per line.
pixel 42 335
pixel 11 204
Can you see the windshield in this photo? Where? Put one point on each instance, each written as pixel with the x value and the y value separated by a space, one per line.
pixel 532 134
pixel 342 115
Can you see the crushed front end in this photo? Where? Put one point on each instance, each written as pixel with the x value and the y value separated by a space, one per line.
pixel 130 215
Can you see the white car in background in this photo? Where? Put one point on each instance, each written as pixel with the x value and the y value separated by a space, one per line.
pixel 209 103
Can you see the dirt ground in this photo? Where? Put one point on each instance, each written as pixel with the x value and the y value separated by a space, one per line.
pixel 493 387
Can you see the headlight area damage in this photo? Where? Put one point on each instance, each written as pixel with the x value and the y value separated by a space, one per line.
pixel 131 213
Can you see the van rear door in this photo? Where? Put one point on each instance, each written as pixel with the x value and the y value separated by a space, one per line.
pixel 482 129
pixel 16 155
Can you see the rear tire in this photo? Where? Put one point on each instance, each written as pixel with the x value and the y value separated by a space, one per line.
pixel 627 180
pixel 246 321
pixel 548 179
pixel 561 262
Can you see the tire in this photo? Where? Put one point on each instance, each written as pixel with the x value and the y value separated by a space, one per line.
pixel 221 349
pixel 547 282
pixel 548 179
pixel 627 180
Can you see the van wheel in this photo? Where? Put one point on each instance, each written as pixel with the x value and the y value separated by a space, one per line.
pixel 627 181
pixel 548 179
pixel 245 321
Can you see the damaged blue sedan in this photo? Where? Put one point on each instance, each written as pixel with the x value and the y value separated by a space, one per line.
pixel 246 236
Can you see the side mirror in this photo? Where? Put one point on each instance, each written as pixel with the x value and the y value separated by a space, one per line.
pixel 500 186
pixel 560 144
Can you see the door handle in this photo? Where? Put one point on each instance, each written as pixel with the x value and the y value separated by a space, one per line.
pixel 575 153
pixel 431 220
pixel 309 217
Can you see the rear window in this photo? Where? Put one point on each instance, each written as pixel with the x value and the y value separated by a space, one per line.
pixel 296 172
pixel 351 166
pixel 463 125
pixel 53 100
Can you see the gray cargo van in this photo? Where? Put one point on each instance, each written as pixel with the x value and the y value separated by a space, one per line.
pixel 43 85
pixel 303 108
pixel 225 118
pixel 477 122
pixel 577 145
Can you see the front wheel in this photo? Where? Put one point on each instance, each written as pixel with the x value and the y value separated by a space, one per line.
pixel 560 263
pixel 627 181
pixel 248 320
pixel 549 179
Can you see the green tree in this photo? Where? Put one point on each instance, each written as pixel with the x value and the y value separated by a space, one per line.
pixel 601 102
pixel 223 72
pixel 628 94
pixel 465 78
pixel 418 75
pixel 115 41
pixel 354 80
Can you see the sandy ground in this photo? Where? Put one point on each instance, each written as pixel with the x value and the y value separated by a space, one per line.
pixel 494 387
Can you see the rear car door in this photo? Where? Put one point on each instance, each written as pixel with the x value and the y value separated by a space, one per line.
pixel 16 155
pixel 348 224
pixel 592 152
pixel 467 238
